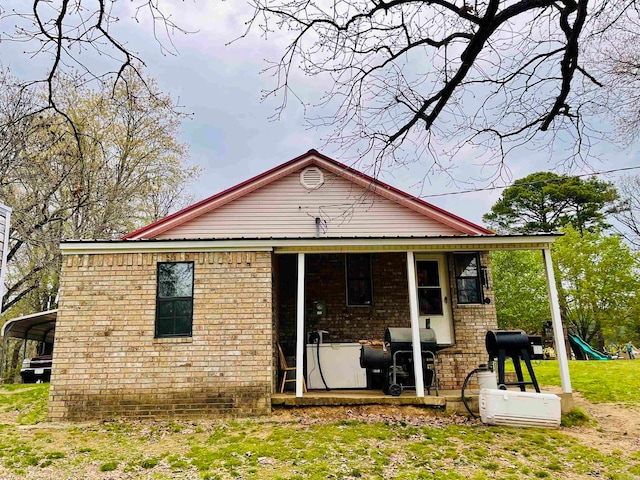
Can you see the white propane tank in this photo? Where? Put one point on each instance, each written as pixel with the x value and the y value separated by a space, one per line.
pixel 487 379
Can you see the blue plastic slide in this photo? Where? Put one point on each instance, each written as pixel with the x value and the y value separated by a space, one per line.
pixel 583 350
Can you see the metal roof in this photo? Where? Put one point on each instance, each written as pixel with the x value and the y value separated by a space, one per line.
pixel 36 326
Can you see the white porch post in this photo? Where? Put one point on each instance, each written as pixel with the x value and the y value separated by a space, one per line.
pixel 415 327
pixel 300 326
pixel 558 335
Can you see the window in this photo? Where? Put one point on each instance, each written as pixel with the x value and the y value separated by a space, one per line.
pixel 467 267
pixel 429 289
pixel 359 284
pixel 174 299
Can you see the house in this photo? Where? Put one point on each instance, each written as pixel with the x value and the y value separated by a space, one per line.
pixel 185 315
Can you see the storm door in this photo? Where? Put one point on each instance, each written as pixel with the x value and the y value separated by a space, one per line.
pixel 434 300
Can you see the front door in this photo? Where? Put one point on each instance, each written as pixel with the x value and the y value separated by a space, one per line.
pixel 434 300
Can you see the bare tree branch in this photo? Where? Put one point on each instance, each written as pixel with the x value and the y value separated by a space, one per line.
pixel 74 34
pixel 409 76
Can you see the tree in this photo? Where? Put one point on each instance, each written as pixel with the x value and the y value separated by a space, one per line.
pixel 614 55
pixel 443 75
pixel 520 286
pixel 546 202
pixel 629 212
pixel 404 78
pixel 597 279
pixel 128 170
pixel 629 327
pixel 71 34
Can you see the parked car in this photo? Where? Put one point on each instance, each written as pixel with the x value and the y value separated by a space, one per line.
pixel 38 368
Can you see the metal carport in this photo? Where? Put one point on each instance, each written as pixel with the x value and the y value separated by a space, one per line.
pixel 40 327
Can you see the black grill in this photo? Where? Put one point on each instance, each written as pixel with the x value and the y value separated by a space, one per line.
pixel 392 360
pixel 401 339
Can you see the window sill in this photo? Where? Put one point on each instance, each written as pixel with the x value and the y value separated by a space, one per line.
pixel 173 340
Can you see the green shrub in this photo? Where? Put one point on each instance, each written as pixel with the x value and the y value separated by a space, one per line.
pixel 149 463
pixel 575 417
pixel 109 466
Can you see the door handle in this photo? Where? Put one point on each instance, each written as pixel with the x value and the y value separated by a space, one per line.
pixel 445 300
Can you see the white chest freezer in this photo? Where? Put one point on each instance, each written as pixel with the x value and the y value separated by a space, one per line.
pixel 340 366
pixel 523 409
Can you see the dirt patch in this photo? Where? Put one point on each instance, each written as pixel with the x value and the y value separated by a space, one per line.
pixel 617 427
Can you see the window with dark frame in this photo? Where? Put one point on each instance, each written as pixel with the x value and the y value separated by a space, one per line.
pixel 174 299
pixel 468 277
pixel 429 288
pixel 359 280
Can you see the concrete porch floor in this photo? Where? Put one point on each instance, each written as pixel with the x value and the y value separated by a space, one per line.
pixel 448 400
pixel 317 398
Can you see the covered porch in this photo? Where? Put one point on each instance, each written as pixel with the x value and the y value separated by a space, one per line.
pixel 442 284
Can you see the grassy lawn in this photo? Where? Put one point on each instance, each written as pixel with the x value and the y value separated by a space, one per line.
pixel 370 443
pixel 612 381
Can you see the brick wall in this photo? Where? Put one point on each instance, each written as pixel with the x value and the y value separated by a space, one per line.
pixel 108 363
pixel 470 323
pixel 350 323
pixel 325 280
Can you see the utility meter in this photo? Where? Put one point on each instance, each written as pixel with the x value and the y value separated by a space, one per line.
pixel 318 309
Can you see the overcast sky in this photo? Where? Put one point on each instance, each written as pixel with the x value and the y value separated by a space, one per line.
pixel 230 135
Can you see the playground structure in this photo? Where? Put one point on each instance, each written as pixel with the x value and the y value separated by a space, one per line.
pixel 583 351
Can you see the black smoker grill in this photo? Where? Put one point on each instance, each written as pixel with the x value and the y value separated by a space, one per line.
pixel 515 344
pixel 393 360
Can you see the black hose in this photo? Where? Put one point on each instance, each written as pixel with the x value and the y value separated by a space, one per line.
pixel 319 364
pixel 464 386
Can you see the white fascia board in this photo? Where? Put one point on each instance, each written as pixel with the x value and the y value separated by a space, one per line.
pixel 312 244
pixel 414 244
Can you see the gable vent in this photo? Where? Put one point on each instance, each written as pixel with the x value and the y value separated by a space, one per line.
pixel 311 178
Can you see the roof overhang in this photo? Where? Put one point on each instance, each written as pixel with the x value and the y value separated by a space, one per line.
pixel 292 245
pixel 37 326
